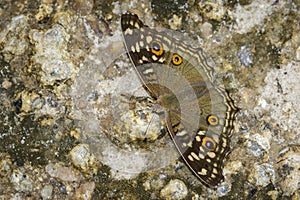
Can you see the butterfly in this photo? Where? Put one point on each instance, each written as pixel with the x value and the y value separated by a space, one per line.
pixel 198 112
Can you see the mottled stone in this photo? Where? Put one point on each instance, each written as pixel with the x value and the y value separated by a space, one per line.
pixel 66 19
pixel 176 22
pixel 83 7
pixel 233 167
pixel 31 101
pixel 52 54
pixel 259 144
pixel 18 196
pixel 262 174
pixel 245 56
pixel 147 185
pixel 21 182
pixel 290 50
pixel 85 191
pixel 61 172
pixel 46 192
pixel 45 10
pixel 249 16
pixel 280 98
pixel 206 30
pixel 5 165
pixel 6 84
pixel 175 189
pixel 157 183
pixel 223 189
pixel 213 10
pixel 254 148
pixel 287 167
pixel 15 38
pixel 81 157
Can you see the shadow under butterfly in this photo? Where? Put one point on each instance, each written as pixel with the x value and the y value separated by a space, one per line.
pixel 198 112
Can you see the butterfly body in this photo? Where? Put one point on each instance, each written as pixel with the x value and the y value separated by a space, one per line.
pixel 199 113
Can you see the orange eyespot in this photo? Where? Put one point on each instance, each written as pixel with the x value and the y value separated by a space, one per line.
pixel 213 120
pixel 176 59
pixel 157 48
pixel 208 143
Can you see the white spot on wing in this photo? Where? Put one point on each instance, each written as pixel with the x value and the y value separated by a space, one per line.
pixel 161 60
pixel 128 31
pixel 154 57
pixel 141 43
pixel 195 156
pixel 181 133
pixel 211 154
pixel 148 71
pixel 137 47
pixel 144 58
pixel 202 172
pixel 201 133
pixel 201 156
pixel 215 171
pixel 131 22
pixel 132 49
pixel 148 39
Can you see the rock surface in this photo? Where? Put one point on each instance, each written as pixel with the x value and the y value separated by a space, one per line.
pixel 70 127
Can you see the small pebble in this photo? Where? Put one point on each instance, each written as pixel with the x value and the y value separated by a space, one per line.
pixel 81 156
pixel 262 174
pixel 206 30
pixel 6 84
pixel 46 192
pixel 288 170
pixel 21 182
pixel 245 56
pixel 175 190
pixel 223 189
pixel 84 7
pixel 61 172
pixel 85 191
